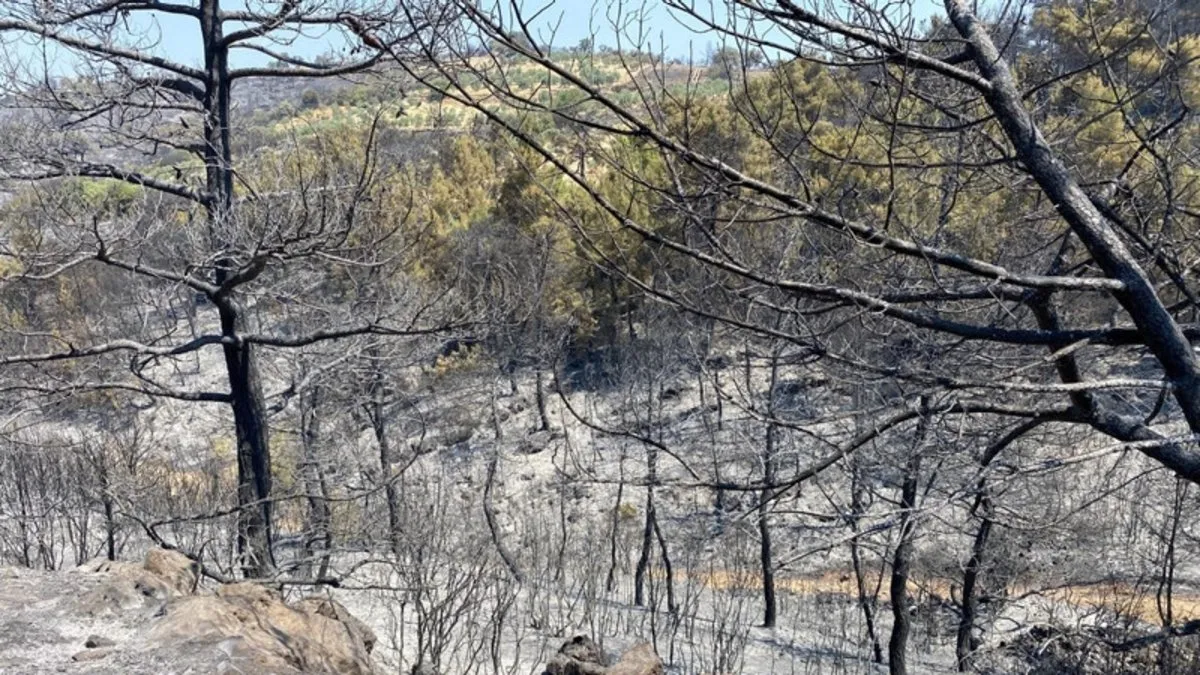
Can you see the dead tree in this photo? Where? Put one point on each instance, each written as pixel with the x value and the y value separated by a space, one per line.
pixel 141 102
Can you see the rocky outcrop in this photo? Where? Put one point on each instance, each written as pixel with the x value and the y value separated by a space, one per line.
pixel 180 572
pixel 137 619
pixel 126 586
pixel 578 656
pixel 260 633
pixel 582 656
pixel 330 608
pixel 641 660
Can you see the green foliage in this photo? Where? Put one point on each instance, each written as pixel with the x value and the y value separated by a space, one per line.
pixel 627 512
pixel 1099 116
pixel 309 99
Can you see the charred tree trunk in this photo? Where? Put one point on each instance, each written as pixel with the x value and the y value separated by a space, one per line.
pixel 253 457
pixel 650 530
pixel 540 394
pixel 965 641
pixel 23 517
pixel 106 501
pixel 245 391
pixel 766 561
pixel 768 567
pixel 672 605
pixel 560 558
pixel 611 581
pixel 901 561
pixel 489 513
pixel 867 599
pixel 318 535
pixel 377 413
pixel 1138 296
pixel 902 556
pixel 387 461
pixel 643 563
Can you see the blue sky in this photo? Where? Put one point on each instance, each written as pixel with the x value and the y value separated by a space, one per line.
pixel 563 23
pixel 566 21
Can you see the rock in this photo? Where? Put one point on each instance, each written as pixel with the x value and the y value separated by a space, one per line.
pixel 252 593
pixel 94 641
pixel 718 362
pixel 535 442
pixel 582 656
pixel 332 609
pixel 583 648
pixel 578 656
pixel 126 587
pixel 179 571
pixel 162 575
pixel 92 655
pixel 641 660
pixel 138 621
pixel 565 665
pixel 255 628
pixel 457 435
pixel 424 669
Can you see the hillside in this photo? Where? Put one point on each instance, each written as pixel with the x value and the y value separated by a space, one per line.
pixel 864 341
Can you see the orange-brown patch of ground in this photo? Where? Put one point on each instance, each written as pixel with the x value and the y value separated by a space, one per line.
pixel 1115 596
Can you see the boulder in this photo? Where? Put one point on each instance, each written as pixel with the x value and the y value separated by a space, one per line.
pixel 535 442
pixel 332 609
pixel 95 641
pixel 180 572
pixel 640 660
pixel 578 656
pixel 260 633
pixel 582 656
pixel 126 587
pixel 91 655
pixel 146 619
pixel 162 575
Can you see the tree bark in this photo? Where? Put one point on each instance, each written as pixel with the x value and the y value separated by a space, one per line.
pixel 901 561
pixel 766 562
pixel 1139 298
pixel 245 391
pixel 765 559
pixel 672 605
pixel 965 641
pixel 253 457
pixel 318 536
pixel 866 600
pixel 648 530
pixel 106 500
pixel 902 556
pixel 391 492
pixel 540 395
pixel 377 412
pixel 643 563
pixel 611 581
pixel 489 513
